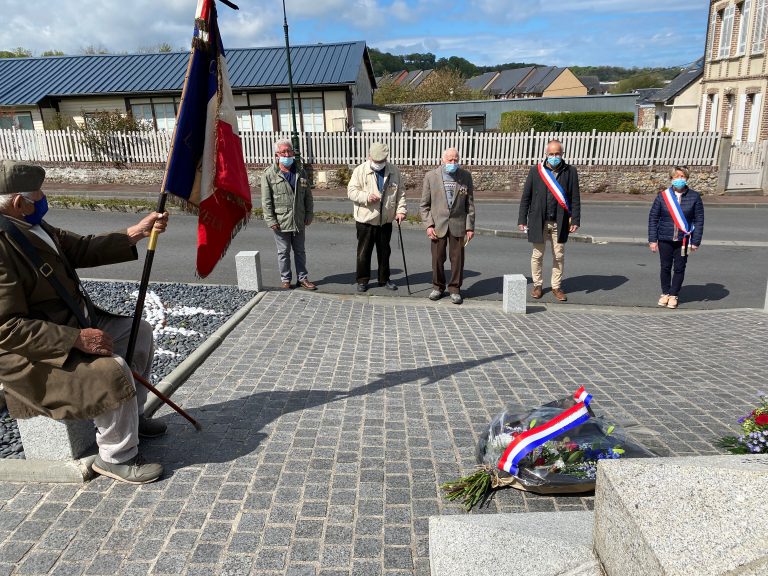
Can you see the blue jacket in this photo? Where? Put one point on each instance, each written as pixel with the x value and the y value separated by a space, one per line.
pixel 661 226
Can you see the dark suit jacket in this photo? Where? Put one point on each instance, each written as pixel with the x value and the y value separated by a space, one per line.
pixel 434 205
pixel 533 204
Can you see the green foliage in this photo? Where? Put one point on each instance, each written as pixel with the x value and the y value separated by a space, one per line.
pixel 440 86
pixel 342 176
pixel 90 50
pixel 101 131
pixel 523 120
pixel 59 122
pixel 17 53
pixel 460 65
pixel 618 73
pixel 627 127
pixel 665 129
pixel 648 80
pixel 52 53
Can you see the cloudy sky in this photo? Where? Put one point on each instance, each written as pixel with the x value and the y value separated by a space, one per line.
pixel 485 32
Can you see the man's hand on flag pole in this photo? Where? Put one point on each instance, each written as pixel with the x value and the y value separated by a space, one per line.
pixel 155 220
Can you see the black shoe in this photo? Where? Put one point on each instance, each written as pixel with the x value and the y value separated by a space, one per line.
pixel 362 288
pixel 388 285
pixel 149 428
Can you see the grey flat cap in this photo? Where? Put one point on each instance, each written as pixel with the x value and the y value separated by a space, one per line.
pixel 17 177
pixel 378 152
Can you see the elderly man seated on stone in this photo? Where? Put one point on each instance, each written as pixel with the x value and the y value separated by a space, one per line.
pixel 61 356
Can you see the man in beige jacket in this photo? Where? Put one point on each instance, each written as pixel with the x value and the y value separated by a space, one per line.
pixel 448 211
pixel 379 198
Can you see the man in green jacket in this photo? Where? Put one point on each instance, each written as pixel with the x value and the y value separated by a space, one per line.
pixel 286 200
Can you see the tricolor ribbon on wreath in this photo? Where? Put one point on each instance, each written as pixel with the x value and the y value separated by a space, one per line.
pixel 554 186
pixel 527 441
pixel 676 211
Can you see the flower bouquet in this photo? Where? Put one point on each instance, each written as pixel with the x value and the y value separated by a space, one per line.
pixel 552 449
pixel 754 428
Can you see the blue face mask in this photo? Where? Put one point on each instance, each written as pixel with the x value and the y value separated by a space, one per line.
pixel 554 161
pixel 451 167
pixel 286 161
pixel 41 207
pixel 679 183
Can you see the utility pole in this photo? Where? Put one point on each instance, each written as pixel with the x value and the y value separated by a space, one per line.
pixel 294 131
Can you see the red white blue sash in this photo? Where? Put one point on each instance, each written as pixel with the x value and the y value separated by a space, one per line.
pixel 676 212
pixel 554 186
pixel 527 441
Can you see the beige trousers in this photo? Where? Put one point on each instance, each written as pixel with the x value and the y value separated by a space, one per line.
pixel 558 257
pixel 117 431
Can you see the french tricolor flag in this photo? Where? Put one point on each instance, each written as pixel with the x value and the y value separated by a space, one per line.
pixel 205 165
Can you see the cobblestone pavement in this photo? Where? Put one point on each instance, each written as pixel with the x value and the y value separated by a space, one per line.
pixel 329 423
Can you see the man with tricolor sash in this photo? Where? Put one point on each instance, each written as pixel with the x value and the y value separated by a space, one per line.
pixel 550 209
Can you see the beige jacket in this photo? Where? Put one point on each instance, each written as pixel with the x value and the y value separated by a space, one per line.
pixel 434 204
pixel 363 182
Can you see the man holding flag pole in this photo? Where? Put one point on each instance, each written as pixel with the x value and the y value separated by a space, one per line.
pixel 550 208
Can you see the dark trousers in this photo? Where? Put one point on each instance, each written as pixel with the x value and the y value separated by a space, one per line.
pixel 369 236
pixel 455 245
pixel 671 260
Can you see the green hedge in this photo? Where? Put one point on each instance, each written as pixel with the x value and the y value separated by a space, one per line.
pixel 524 120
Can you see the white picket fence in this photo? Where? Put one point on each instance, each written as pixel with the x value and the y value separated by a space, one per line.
pixel 406 148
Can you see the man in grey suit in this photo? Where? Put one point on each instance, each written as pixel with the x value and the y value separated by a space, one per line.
pixel 448 211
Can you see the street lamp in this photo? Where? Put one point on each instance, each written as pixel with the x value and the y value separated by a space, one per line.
pixel 294 132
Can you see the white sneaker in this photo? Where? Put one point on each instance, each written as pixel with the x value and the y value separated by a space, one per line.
pixel 663 299
pixel 456 298
pixel 435 295
pixel 672 302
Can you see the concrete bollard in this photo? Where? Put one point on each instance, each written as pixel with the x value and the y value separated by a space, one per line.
pixel 61 440
pixel 248 265
pixel 765 306
pixel 514 293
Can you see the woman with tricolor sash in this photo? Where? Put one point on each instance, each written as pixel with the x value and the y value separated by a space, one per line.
pixel 675 228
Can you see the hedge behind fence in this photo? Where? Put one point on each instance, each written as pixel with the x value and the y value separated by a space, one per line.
pixel 525 120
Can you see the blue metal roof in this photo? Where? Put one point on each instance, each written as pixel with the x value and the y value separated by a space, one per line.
pixel 26 81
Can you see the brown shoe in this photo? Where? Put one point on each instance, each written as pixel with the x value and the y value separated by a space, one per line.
pixel 307 285
pixel 559 294
pixel 285 285
pixel 536 292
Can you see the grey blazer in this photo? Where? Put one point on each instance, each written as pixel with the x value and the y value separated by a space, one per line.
pixel 434 205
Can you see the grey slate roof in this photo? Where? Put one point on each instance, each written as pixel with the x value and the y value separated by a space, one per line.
pixel 678 83
pixel 539 80
pixel 26 81
pixel 423 75
pixel 479 82
pixel 509 79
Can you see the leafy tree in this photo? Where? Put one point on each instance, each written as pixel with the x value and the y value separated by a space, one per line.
pixel 17 53
pixel 90 50
pixel 461 65
pixel 101 134
pixel 52 53
pixel 445 85
pixel 417 61
pixel 384 62
pixel 647 80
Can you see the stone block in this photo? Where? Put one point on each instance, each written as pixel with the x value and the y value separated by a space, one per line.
pixel 765 306
pixel 534 544
pixel 514 293
pixel 248 265
pixel 682 516
pixel 59 440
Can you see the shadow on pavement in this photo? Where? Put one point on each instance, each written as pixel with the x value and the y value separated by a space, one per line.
pixel 486 287
pixel 233 429
pixel 588 283
pixel 703 293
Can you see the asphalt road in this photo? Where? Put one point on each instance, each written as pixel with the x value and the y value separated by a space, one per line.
pixel 612 274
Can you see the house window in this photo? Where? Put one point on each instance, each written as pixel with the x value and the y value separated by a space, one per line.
pixel 309 109
pixel 754 117
pixel 159 114
pixel 312 114
pixel 254 120
pixel 743 27
pixel 761 21
pixel 18 120
pixel 726 30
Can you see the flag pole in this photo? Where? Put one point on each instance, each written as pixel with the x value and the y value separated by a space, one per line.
pixel 295 132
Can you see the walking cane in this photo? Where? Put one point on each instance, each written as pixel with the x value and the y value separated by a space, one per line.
pixel 167 400
pixel 402 248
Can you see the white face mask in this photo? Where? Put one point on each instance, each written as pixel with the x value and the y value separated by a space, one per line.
pixel 377 165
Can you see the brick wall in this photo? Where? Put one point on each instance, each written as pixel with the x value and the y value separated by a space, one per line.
pixel 593 179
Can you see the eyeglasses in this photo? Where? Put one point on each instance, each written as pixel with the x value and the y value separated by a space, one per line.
pixel 286 153
pixel 554 154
